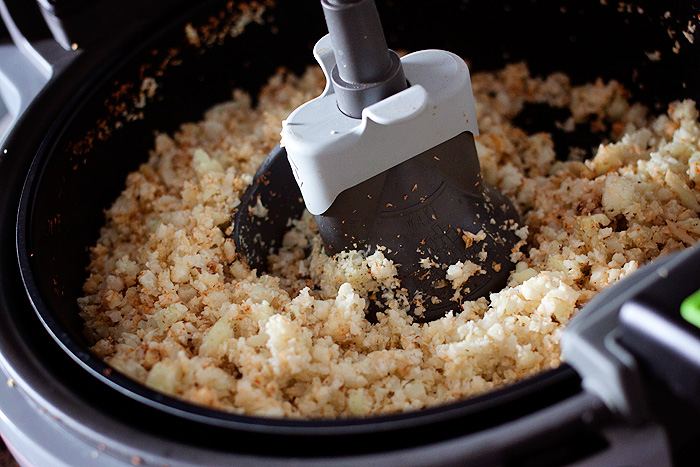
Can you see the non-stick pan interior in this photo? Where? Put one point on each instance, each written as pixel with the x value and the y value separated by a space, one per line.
pixel 109 129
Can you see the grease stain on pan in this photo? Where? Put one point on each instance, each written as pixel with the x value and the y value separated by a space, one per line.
pixel 127 100
pixel 680 25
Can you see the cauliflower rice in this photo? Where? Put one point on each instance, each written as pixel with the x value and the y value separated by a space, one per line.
pixel 169 303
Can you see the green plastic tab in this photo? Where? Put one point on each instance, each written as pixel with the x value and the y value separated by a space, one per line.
pixel 690 309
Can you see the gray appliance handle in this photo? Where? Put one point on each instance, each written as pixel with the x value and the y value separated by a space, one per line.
pixel 27 62
pixel 593 343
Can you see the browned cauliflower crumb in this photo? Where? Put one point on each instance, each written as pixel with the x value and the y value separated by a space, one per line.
pixel 170 304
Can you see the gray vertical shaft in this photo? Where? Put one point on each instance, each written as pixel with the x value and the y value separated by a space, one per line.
pixel 361 52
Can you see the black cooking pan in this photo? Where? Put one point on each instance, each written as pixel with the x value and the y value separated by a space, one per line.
pixel 90 128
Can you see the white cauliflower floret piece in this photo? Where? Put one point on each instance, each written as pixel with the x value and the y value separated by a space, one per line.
pixel 346 319
pixel 618 194
pixel 289 345
pixel 459 273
